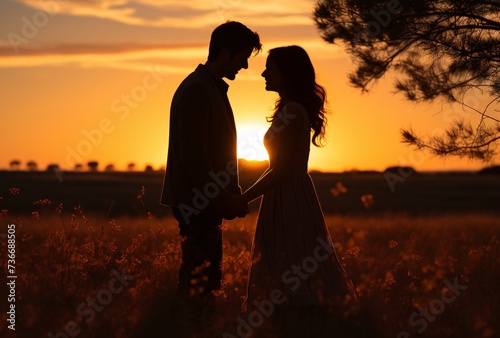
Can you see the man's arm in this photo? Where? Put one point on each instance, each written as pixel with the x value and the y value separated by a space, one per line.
pixel 193 127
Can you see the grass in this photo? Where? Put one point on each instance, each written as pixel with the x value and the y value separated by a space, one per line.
pixel 400 265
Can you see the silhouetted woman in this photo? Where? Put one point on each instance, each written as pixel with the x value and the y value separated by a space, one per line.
pixel 294 261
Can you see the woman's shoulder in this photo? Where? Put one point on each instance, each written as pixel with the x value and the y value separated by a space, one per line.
pixel 295 108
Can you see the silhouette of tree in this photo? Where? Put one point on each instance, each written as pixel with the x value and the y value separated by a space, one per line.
pixel 493 170
pixel 53 167
pixel 149 168
pixel 78 167
pixel 437 49
pixel 110 167
pixel 93 165
pixel 131 166
pixel 15 165
pixel 32 166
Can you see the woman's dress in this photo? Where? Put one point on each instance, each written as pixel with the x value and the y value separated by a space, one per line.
pixel 292 252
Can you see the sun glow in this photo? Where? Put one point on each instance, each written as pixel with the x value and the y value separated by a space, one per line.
pixel 251 142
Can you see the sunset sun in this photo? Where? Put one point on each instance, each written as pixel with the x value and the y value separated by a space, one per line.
pixel 250 142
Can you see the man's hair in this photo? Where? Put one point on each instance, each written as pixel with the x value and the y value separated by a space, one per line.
pixel 234 36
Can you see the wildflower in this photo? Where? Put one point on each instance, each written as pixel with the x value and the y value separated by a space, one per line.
pixel 59 208
pixel 36 215
pixel 389 280
pixel 114 225
pixel 43 202
pixel 141 195
pixel 353 252
pixel 78 209
pixel 14 191
pixel 367 201
pixel 338 189
pixel 74 223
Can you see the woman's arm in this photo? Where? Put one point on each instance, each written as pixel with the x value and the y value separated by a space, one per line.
pixel 285 130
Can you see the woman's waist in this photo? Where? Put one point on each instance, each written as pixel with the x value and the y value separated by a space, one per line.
pixel 294 168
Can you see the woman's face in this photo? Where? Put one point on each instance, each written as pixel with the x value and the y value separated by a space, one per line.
pixel 274 82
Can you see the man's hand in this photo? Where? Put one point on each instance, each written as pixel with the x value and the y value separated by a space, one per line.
pixel 236 207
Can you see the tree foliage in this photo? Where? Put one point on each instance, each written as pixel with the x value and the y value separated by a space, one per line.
pixel 32 166
pixel 15 164
pixel 437 49
pixel 93 165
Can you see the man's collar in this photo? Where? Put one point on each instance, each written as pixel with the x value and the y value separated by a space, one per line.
pixel 218 81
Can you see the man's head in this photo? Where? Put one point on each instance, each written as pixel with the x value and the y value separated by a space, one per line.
pixel 231 44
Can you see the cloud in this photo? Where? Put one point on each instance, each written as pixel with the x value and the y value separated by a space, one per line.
pixel 123 56
pixel 73 49
pixel 136 56
pixel 138 32
pixel 174 13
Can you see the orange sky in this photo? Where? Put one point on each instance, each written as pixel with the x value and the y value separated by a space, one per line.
pixel 88 80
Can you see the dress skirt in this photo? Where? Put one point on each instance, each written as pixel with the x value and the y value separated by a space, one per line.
pixel 292 252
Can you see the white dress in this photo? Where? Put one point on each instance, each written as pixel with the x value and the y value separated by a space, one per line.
pixel 292 250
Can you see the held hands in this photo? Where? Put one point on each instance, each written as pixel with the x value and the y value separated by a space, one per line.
pixel 236 207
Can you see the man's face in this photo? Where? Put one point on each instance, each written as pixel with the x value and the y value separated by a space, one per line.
pixel 236 62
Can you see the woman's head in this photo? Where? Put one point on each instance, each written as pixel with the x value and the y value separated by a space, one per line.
pixel 295 69
pixel 289 71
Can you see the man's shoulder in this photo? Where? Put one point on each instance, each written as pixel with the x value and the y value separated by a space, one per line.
pixel 195 81
pixel 194 87
pixel 198 75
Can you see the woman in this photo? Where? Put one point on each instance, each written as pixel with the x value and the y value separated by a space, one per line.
pixel 293 258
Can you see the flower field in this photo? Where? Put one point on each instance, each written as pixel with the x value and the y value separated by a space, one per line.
pixel 87 275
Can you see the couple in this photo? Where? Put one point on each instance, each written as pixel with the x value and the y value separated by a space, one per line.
pixel 292 249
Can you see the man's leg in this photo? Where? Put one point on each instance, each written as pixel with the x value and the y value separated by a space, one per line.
pixel 215 256
pixel 201 243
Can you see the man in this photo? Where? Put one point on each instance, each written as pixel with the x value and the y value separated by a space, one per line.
pixel 201 180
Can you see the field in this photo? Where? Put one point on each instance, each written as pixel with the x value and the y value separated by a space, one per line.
pixel 107 267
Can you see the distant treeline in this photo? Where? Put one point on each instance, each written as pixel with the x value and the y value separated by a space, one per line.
pixel 244 165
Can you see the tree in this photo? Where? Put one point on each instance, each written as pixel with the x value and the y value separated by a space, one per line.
pixel 437 49
pixel 131 166
pixel 93 165
pixel 15 165
pixel 110 167
pixel 53 167
pixel 32 166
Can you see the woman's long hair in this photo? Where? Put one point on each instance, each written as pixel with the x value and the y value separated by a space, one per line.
pixel 297 72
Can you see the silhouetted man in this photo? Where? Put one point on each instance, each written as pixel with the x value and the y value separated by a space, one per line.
pixel 201 180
